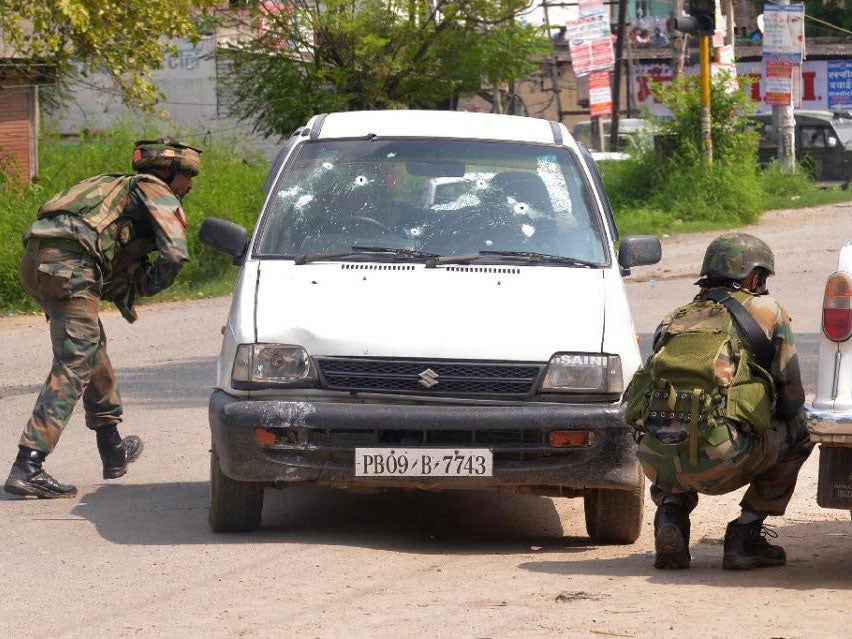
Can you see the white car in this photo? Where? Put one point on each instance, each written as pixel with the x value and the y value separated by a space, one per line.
pixel 831 411
pixel 380 339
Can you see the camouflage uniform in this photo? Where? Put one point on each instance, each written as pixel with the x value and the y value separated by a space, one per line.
pixel 769 462
pixel 68 267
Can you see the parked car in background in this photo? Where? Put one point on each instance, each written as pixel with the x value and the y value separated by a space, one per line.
pixel 830 414
pixel 432 301
pixel 633 134
pixel 823 143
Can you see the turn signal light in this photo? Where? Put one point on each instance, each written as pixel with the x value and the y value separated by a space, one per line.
pixel 264 437
pixel 571 438
pixel 837 308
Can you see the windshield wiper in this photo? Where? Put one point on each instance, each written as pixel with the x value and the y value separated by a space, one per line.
pixel 521 255
pixel 365 250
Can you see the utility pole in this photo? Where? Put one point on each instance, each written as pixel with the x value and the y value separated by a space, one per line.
pixel 679 43
pixel 704 42
pixel 729 22
pixel 616 81
pixel 785 123
pixel 702 22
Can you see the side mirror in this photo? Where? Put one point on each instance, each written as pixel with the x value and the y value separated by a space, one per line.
pixel 224 236
pixel 639 250
pixel 832 141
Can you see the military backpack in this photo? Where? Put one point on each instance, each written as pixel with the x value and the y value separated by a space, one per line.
pixel 99 202
pixel 680 403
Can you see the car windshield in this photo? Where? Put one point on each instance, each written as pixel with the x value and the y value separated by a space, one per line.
pixel 436 197
pixel 844 131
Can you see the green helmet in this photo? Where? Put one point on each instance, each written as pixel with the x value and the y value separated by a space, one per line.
pixel 735 255
pixel 166 154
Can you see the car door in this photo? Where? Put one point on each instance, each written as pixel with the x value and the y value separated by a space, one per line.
pixel 816 153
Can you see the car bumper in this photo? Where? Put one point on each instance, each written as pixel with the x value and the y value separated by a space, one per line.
pixel 828 427
pixel 314 442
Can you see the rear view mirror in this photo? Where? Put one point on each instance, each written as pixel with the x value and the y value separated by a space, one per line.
pixel 639 250
pixel 436 169
pixel 224 236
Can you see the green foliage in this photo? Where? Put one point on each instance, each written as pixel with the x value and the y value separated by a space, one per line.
pixel 734 139
pixel 671 187
pixel 122 38
pixel 229 186
pixel 376 54
pixel 836 12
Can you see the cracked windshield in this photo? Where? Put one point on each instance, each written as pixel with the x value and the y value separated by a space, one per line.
pixel 423 198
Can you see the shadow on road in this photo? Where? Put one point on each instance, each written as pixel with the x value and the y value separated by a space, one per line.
pixel 819 556
pixel 464 522
pixel 186 383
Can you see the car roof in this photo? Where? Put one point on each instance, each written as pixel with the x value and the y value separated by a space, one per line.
pixel 624 124
pixel 804 116
pixel 437 124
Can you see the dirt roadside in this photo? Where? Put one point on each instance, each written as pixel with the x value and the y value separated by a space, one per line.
pixel 135 557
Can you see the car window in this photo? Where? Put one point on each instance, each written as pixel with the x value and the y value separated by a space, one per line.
pixel 445 197
pixel 843 130
pixel 813 137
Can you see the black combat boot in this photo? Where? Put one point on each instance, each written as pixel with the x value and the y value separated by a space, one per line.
pixel 746 547
pixel 29 479
pixel 671 537
pixel 116 452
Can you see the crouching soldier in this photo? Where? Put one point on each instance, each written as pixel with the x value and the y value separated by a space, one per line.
pixel 90 243
pixel 718 405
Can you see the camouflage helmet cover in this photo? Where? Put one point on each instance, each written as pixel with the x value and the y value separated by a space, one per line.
pixel 735 255
pixel 166 154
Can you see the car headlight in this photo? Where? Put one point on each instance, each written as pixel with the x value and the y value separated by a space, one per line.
pixel 583 372
pixel 272 364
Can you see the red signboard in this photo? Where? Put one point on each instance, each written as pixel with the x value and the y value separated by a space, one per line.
pixel 600 94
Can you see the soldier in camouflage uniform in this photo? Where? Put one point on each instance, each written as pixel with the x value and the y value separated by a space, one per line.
pixel 90 243
pixel 765 456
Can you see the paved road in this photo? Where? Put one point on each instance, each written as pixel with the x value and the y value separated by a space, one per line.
pixel 134 557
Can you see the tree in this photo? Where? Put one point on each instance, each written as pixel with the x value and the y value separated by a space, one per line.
pixel 836 12
pixel 119 37
pixel 337 55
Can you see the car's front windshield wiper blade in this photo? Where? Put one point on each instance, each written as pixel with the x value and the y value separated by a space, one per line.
pixel 541 257
pixel 522 255
pixel 363 251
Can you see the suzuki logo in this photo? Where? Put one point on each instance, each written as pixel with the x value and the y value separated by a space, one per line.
pixel 428 378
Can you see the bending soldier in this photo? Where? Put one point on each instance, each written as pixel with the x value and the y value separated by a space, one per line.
pixel 718 406
pixel 89 243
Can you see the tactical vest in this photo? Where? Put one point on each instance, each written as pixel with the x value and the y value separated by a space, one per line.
pixel 99 202
pixel 677 400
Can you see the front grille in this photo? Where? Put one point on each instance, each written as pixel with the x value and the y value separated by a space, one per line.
pixel 514 444
pixel 436 378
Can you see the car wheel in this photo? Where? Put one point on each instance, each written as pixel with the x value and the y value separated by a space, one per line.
pixel 614 516
pixel 235 506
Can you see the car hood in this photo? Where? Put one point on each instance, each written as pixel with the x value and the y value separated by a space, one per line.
pixel 406 310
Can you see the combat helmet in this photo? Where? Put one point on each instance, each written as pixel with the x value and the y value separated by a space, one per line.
pixel 166 154
pixel 735 255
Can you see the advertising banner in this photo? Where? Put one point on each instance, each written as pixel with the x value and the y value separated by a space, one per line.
pixel 839 77
pixel 590 42
pixel 600 94
pixel 784 33
pixel 815 89
pixel 779 84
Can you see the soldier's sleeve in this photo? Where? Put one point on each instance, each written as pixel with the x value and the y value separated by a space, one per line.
pixel 785 367
pixel 169 225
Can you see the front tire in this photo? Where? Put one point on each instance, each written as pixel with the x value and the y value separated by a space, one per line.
pixel 235 506
pixel 614 516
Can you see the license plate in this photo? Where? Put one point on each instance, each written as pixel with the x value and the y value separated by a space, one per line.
pixel 423 462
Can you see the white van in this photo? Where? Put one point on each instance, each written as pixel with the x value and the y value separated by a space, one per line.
pixel 382 338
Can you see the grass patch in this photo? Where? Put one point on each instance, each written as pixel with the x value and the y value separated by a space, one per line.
pixel 229 187
pixel 647 199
